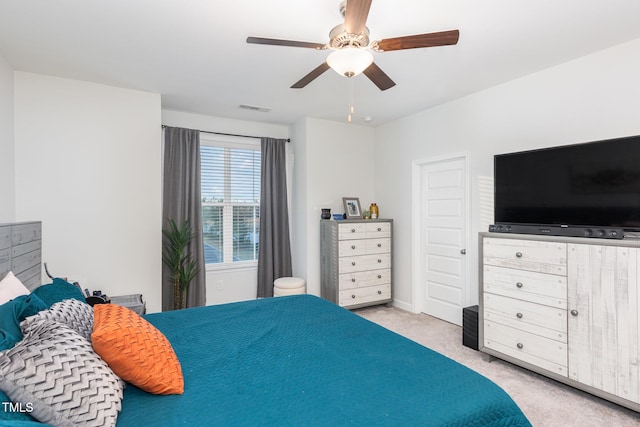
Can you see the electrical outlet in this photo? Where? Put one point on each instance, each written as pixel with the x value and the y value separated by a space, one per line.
pixel 220 285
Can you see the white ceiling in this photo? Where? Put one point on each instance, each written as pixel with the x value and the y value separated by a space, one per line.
pixel 193 52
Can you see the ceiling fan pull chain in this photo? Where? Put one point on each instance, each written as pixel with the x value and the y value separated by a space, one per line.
pixel 351 109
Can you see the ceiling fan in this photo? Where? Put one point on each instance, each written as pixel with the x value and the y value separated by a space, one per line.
pixel 352 49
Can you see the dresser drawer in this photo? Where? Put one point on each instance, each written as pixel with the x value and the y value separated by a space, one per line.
pixel 538 256
pixel 348 231
pixel 368 230
pixel 364 278
pixel 537 319
pixel 378 229
pixel 364 247
pixel 541 288
pixel 352 264
pixel 25 261
pixel 24 233
pixel 531 348
pixel 369 294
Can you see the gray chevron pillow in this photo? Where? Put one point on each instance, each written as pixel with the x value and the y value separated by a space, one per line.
pixel 57 372
pixel 71 312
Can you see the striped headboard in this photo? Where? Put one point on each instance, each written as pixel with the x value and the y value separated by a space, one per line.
pixel 21 252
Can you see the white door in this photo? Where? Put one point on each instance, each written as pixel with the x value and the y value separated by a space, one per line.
pixel 442 244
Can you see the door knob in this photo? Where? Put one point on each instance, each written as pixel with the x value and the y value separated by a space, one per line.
pixel 463 251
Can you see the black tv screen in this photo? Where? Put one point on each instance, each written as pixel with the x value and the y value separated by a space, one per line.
pixel 595 184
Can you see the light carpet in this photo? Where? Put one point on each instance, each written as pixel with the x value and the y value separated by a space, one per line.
pixel 544 401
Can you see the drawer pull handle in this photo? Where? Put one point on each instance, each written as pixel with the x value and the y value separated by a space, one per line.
pixel 379 292
pixel 353 296
pixel 519 254
pixel 379 261
pixel 574 312
pixel 353 230
pixel 519 285
pixel 520 345
pixel 519 315
pixel 353 263
pixel 353 279
pixel 379 245
pixel 379 229
pixel 353 246
pixel 379 276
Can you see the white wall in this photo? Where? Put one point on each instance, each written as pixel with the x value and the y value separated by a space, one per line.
pixel 237 284
pixel 595 97
pixel 88 164
pixel 7 191
pixel 297 216
pixel 338 162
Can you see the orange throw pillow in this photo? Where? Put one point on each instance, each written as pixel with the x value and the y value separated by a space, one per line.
pixel 135 350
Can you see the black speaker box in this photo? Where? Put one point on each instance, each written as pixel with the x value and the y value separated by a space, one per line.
pixel 559 230
pixel 470 327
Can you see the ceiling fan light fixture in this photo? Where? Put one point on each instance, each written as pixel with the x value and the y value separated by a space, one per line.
pixel 350 61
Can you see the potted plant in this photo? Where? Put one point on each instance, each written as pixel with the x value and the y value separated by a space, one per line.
pixel 182 265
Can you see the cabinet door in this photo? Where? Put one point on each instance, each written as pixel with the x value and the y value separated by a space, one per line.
pixel 603 321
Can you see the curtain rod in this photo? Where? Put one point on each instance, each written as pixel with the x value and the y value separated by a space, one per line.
pixel 228 134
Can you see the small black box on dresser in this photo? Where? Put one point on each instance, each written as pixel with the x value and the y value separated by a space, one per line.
pixel 470 327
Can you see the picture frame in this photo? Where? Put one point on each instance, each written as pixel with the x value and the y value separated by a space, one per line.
pixel 352 207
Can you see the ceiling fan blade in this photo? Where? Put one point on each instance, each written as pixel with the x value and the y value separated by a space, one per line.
pixel 278 42
pixel 311 76
pixel 355 17
pixel 442 38
pixel 378 77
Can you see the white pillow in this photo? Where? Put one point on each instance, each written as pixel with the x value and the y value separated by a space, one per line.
pixel 11 287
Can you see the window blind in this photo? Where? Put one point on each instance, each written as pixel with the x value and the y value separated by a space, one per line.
pixel 230 185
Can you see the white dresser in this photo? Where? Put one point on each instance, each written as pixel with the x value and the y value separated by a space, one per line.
pixel 564 307
pixel 356 261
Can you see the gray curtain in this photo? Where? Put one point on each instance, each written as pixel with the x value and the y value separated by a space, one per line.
pixel 181 200
pixel 274 260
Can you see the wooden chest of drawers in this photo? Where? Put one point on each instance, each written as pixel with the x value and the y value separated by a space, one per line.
pixel 565 307
pixel 356 262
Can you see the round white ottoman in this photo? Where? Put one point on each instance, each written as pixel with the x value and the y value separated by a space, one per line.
pixel 288 286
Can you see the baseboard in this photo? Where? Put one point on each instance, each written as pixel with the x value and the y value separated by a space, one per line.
pixel 402 305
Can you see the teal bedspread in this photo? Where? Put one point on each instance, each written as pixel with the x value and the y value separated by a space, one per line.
pixel 301 361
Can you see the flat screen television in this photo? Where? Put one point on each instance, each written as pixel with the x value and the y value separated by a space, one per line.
pixel 595 184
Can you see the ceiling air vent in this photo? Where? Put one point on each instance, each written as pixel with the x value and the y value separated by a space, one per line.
pixel 254 108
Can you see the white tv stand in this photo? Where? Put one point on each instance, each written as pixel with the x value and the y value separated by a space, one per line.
pixel 565 307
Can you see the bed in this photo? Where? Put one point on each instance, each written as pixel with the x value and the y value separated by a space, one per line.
pixel 285 361
pixel 301 360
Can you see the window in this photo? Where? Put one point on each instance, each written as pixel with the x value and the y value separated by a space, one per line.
pixel 230 185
